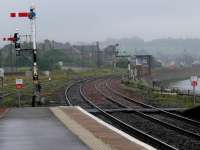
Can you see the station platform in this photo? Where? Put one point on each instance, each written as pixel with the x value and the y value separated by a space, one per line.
pixel 61 128
pixel 36 129
pixel 94 132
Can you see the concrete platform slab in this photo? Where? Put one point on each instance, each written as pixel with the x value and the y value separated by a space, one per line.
pixel 36 129
pixel 96 133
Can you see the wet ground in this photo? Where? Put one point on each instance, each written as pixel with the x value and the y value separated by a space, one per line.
pixel 36 129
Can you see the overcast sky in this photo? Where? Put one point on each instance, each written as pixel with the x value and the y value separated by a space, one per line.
pixel 92 20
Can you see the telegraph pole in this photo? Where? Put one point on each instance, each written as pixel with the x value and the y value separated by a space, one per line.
pixel 98 57
pixel 129 63
pixel 115 57
pixel 129 69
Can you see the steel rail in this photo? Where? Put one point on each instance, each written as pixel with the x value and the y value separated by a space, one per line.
pixel 67 99
pixel 194 122
pixel 128 128
pixel 143 115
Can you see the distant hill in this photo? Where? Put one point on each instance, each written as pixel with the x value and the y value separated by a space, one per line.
pixel 157 47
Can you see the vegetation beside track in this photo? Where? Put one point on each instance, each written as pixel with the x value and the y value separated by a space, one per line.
pixel 141 89
pixel 49 87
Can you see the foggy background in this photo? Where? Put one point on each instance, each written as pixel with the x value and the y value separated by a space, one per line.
pixel 167 29
pixel 92 20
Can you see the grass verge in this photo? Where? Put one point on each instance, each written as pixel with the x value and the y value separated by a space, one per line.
pixel 141 89
pixel 49 87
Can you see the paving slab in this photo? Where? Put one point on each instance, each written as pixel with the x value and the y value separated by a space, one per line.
pixel 36 129
pixel 96 133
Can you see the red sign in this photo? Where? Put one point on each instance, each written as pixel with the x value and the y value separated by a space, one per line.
pixel 194 83
pixel 19 86
pixel 20 14
pixel 23 14
pixel 19 83
pixel 12 14
pixel 11 39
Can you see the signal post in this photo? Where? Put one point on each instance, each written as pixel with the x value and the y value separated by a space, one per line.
pixel 31 15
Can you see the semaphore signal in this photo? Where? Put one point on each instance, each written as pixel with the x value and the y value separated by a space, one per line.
pixel 22 14
pixel 31 15
pixel 12 39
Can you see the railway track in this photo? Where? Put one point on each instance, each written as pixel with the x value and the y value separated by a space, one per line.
pixel 114 120
pixel 73 96
pixel 185 134
pixel 190 130
pixel 166 114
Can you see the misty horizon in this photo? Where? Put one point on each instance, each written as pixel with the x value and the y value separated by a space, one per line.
pixel 89 20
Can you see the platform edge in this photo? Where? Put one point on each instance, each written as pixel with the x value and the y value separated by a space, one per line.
pixel 125 135
pixel 83 134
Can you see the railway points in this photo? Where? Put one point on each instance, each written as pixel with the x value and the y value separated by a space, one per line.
pixel 99 92
pixel 103 95
pixel 96 97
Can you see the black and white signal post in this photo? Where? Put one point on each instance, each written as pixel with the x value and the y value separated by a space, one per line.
pixel 31 15
pixel 36 94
